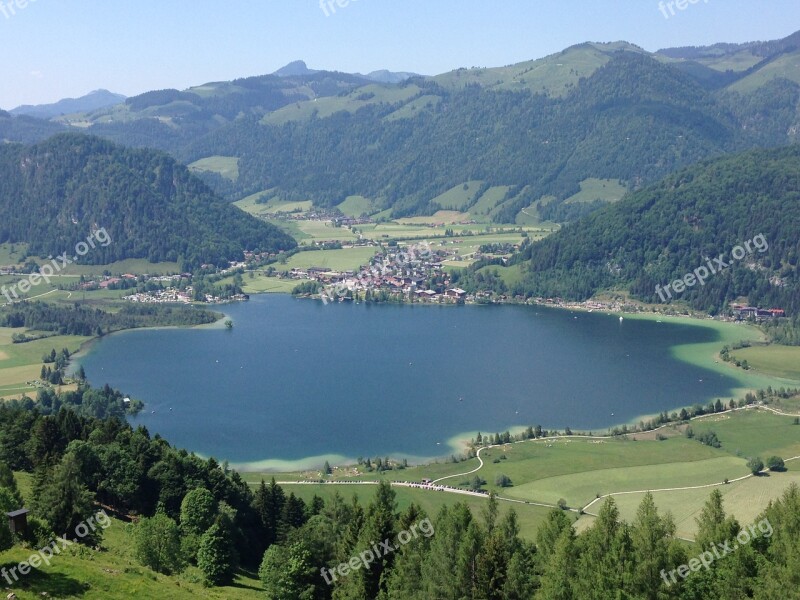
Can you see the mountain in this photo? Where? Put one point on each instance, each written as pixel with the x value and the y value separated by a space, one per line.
pixel 385 76
pixel 54 194
pixel 92 101
pixel 659 234
pixel 25 129
pixel 297 68
pixel 528 137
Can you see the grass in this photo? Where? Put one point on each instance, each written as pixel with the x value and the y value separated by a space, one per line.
pixel 12 254
pixel 251 205
pixel 355 206
pixel 753 433
pixel 324 231
pixel 488 201
pixel 784 66
pixel 325 107
pixel 113 573
pixel 745 500
pixel 226 166
pixel 553 75
pixel 348 259
pixel 441 217
pixel 22 363
pixel 261 284
pixel 458 198
pixel 780 361
pixel 581 488
pixel 598 189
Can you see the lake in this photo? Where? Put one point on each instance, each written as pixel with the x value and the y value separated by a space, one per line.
pixel 297 379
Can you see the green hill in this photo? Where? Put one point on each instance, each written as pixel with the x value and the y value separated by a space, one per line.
pixel 661 233
pixel 54 194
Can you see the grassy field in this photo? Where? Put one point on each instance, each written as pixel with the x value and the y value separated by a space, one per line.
pixel 325 107
pixel 753 433
pixel 22 363
pixel 780 361
pixel 12 254
pixel 460 197
pixel 272 207
pixel 336 260
pixel 113 573
pixel 355 206
pixel 581 488
pixel 784 67
pixel 261 284
pixel 743 499
pixel 441 217
pixel 488 201
pixel 226 166
pixel 325 231
pixel 602 189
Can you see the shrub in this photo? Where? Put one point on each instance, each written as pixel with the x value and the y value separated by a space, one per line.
pixel 775 463
pixel 755 464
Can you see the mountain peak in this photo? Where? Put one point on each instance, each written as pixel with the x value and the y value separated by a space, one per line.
pixel 295 68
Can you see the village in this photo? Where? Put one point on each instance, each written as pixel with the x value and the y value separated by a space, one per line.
pixel 412 273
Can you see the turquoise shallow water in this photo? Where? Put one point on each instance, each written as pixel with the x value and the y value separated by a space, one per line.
pixel 297 379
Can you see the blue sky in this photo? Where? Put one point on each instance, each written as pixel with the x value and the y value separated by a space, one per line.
pixel 65 48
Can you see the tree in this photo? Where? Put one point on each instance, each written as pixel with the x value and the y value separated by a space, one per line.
pixel 651 536
pixel 157 544
pixel 287 573
pixel 502 480
pixel 560 573
pixel 8 503
pixel 8 482
pixel 755 464
pixel 198 511
pixel 65 502
pixel 775 463
pixel 215 556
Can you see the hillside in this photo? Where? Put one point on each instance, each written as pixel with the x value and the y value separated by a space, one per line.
pixel 54 194
pixel 92 101
pixel 635 119
pixel 663 232
pixel 538 129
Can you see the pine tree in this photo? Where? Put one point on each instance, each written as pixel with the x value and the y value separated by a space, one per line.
pixel 559 574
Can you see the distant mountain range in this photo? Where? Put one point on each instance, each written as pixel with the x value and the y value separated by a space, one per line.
pixel 92 101
pixel 299 68
pixel 530 140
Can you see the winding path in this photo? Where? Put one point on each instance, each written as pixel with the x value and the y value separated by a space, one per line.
pixel 435 485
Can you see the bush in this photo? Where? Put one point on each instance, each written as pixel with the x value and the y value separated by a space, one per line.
pixel 775 463
pixel 157 544
pixel 755 464
pixel 503 481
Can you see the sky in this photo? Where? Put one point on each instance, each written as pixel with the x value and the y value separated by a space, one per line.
pixel 55 49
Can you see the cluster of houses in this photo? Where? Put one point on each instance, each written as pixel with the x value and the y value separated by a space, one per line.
pixel 167 296
pixel 741 311
pixel 404 273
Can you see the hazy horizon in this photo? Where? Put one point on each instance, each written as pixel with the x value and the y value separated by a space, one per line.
pixel 130 48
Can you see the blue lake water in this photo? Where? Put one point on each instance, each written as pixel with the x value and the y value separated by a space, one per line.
pixel 296 378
